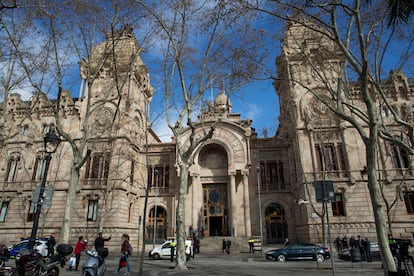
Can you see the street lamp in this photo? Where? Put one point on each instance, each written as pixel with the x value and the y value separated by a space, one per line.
pixel 260 210
pixel 52 140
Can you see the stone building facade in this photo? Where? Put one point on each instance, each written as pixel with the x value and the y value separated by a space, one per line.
pixel 236 178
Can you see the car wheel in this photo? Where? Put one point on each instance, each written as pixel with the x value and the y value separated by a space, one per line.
pixel 156 256
pixel 320 258
pixel 281 258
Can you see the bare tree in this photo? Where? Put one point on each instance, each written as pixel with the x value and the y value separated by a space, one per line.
pixel 199 48
pixel 66 38
pixel 361 38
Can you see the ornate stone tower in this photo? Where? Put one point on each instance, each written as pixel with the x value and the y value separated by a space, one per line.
pixel 116 86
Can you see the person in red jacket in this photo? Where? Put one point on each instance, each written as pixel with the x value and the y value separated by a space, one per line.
pixel 79 247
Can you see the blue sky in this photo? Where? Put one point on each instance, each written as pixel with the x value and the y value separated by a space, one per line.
pixel 257 101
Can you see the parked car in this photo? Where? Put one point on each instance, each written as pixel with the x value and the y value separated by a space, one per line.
pixel 21 246
pixel 345 254
pixel 299 251
pixel 164 250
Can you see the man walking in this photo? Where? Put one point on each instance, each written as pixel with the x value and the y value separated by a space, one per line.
pixel 228 245
pixel 100 241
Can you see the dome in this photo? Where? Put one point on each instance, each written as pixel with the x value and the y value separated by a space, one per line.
pixel 222 100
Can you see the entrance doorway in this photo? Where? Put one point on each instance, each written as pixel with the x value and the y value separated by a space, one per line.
pixel 159 223
pixel 276 225
pixel 216 226
pixel 215 209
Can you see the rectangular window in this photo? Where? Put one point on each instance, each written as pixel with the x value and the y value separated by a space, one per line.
pixel 400 158
pixel 409 202
pixel 38 168
pixel 97 166
pixel 331 157
pixel 159 176
pixel 24 129
pixel 12 167
pixel 338 208
pixel 48 128
pixel 3 211
pixel 92 210
pixel 272 175
pixel 32 211
pixel 131 175
pixel 130 213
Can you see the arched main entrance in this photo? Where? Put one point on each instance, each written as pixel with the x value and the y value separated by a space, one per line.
pixel 160 224
pixel 215 218
pixel 213 162
pixel 276 225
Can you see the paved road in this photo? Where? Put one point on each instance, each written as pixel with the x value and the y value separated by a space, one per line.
pixel 241 264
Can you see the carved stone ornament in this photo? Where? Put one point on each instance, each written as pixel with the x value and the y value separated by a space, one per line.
pixel 103 117
pixel 318 107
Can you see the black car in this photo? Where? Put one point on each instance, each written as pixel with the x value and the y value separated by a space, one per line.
pixel 299 251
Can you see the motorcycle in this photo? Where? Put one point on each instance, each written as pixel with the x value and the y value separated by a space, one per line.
pixel 33 264
pixel 94 265
pixel 51 264
pixel 4 257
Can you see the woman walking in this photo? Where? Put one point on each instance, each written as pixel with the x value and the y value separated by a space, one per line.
pixel 126 250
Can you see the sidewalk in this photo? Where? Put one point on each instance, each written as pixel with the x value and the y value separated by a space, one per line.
pixel 239 263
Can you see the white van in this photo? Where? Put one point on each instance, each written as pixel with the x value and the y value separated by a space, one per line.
pixel 164 250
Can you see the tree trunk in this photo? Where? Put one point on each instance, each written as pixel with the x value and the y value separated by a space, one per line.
pixel 180 217
pixel 71 199
pixel 377 205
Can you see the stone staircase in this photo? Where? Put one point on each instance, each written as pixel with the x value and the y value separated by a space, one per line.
pixel 238 244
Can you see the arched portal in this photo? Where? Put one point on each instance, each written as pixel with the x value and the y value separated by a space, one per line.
pixel 214 163
pixel 160 224
pixel 276 225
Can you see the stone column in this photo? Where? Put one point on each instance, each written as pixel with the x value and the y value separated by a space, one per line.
pixel 246 204
pixel 232 176
pixel 195 199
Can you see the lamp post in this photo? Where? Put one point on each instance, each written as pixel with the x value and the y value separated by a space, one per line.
pixel 260 210
pixel 155 208
pixel 53 140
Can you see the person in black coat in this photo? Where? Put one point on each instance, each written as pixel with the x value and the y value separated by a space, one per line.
pixel 228 246
pixel 51 242
pixel 367 247
pixel 100 241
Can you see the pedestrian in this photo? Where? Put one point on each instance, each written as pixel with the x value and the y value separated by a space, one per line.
pixel 345 242
pixel 228 246
pixel 360 245
pixel 79 247
pixel 196 245
pixel 51 242
pixel 126 251
pixel 367 245
pixel 191 231
pixel 224 246
pixel 100 241
pixel 338 243
pixel 286 242
pixel 352 242
pixel 172 248
pixel 251 245
pixel 393 245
